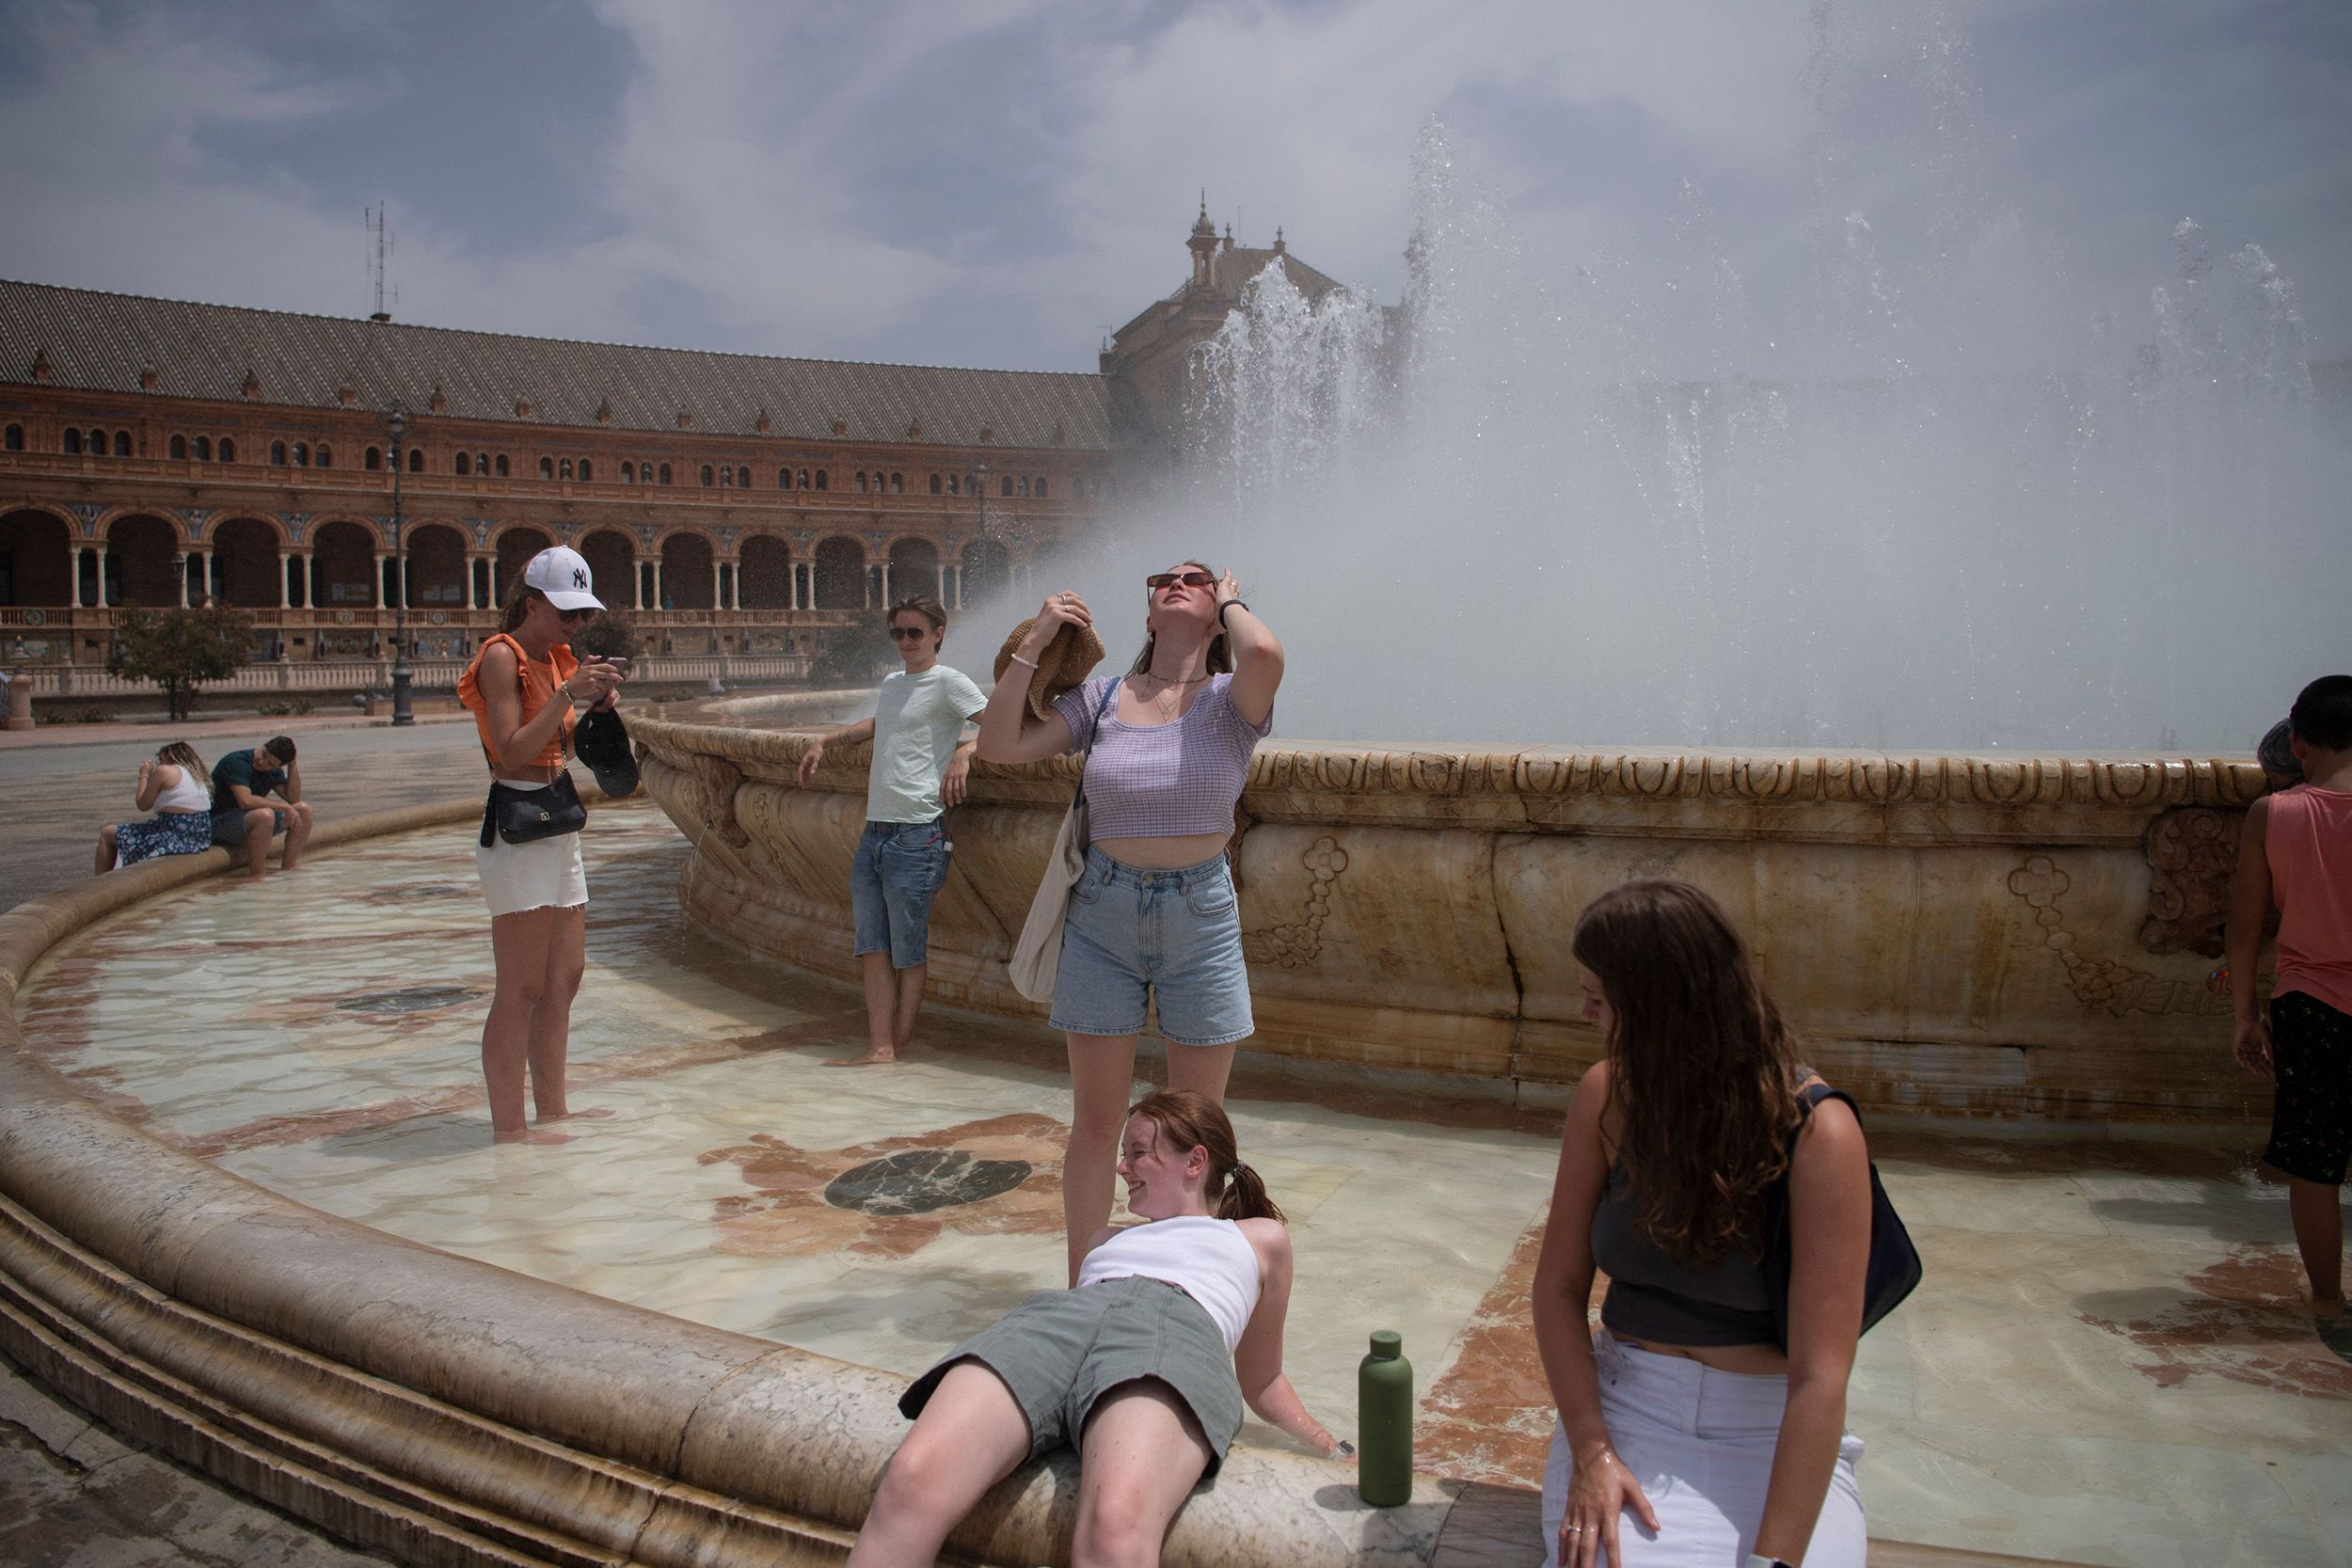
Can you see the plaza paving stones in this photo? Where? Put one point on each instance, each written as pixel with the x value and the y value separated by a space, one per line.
pixel 2105 1364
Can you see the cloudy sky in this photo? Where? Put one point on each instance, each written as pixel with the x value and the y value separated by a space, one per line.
pixel 1001 182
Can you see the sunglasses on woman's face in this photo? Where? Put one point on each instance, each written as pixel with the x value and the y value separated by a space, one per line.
pixel 573 617
pixel 904 633
pixel 1190 579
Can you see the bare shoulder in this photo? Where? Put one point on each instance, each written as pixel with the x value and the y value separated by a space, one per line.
pixel 1832 1129
pixel 499 658
pixel 1271 1238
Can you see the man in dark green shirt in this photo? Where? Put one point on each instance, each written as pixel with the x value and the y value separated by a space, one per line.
pixel 242 814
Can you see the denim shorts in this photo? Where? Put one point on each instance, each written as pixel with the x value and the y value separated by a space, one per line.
pixel 899 869
pixel 1061 1351
pixel 1136 937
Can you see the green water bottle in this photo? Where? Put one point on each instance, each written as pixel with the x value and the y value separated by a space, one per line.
pixel 1384 1422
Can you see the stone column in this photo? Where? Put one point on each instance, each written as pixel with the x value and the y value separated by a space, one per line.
pixel 958 570
pixel 77 553
pixel 636 580
pixel 180 565
pixel 286 566
pixel 717 585
pixel 885 582
pixel 204 576
pixel 943 582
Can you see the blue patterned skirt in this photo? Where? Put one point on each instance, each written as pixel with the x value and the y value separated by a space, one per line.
pixel 173 833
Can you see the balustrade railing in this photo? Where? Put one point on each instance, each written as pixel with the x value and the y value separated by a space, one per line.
pixel 370 674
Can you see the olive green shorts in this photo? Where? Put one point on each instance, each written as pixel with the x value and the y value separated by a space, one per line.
pixel 1061 1351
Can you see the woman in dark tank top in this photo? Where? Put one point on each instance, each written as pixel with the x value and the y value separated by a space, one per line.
pixel 1685 1413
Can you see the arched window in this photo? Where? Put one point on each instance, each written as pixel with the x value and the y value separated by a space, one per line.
pixel 123 443
pixel 502 462
pixel 98 443
pixel 465 463
pixel 416 460
pixel 179 448
pixel 16 437
pixel 585 472
pixel 547 467
pixel 970 485
pixel 372 459
pixel 935 485
pixel 860 482
pixel 277 455
pixel 744 477
pixel 784 478
pixel 821 476
pixel 1007 484
pixel 563 470
pixel 707 476
pixel 73 442
pixel 302 455
pixel 228 449
pixel 897 485
pixel 803 479
pixel 629 471
pixel 326 456
pixel 1039 491
pixel 202 447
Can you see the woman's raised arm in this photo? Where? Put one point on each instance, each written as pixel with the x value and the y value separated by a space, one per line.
pixel 1009 732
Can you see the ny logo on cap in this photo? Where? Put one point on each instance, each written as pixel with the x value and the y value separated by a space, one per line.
pixel 580 577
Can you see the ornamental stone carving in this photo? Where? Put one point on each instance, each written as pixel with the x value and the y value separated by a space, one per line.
pixel 2192 855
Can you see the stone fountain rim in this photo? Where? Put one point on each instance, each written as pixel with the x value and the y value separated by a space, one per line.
pixel 450 1410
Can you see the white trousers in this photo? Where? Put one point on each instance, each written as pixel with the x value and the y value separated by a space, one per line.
pixel 1700 1443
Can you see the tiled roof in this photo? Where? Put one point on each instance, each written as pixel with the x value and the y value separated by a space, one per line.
pixel 101 341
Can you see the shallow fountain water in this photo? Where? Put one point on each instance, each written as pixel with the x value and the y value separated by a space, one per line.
pixel 1929 498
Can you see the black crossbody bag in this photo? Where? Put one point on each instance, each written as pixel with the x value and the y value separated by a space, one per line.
pixel 528 816
pixel 1894 1269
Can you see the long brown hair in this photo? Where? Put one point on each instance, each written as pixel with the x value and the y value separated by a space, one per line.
pixel 1190 1121
pixel 1703 1072
pixel 517 606
pixel 1220 652
pixel 180 754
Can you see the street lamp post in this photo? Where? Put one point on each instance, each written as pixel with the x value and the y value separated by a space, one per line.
pixel 402 674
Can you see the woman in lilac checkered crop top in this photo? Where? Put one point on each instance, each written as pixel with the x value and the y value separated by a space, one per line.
pixel 1155 927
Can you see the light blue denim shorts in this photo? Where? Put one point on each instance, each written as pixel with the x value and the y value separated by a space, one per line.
pixel 899 869
pixel 1136 937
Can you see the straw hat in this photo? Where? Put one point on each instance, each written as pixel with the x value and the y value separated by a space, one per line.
pixel 1073 652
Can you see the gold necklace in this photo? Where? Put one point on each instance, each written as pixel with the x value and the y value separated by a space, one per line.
pixel 1171 693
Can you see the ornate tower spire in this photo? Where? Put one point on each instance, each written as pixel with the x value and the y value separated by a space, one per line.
pixel 1202 245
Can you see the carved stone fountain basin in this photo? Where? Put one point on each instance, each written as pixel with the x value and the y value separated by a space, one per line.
pixel 1982 936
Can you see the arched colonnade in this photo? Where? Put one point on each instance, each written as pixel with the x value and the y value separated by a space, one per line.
pixel 133 558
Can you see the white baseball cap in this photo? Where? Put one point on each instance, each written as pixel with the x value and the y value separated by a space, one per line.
pixel 563 576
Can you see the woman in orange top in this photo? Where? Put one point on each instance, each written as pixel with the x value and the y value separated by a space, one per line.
pixel 537 892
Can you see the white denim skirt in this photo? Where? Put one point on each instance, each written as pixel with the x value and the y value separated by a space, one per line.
pixel 546 874
pixel 1700 1443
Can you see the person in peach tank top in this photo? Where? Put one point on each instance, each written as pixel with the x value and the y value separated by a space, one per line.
pixel 523 688
pixel 2297 856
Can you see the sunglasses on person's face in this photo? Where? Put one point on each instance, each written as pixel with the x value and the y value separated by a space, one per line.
pixel 1190 579
pixel 899 633
pixel 573 617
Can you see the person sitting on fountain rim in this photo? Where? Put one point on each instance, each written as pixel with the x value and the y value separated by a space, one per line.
pixel 917 770
pixel 1153 927
pixel 243 818
pixel 1143 1365
pixel 2297 856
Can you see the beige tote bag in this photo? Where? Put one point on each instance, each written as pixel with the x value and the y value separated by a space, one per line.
pixel 1037 957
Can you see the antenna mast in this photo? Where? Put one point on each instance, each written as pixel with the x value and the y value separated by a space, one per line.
pixel 379 229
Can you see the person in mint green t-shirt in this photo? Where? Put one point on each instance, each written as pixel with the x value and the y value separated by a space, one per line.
pixel 918 769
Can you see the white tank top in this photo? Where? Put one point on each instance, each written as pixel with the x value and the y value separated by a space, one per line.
pixel 1209 1260
pixel 189 794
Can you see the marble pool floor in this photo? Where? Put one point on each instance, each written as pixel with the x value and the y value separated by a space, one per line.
pixel 2106 1363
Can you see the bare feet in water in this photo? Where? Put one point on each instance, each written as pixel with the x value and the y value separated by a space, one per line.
pixel 531 1135
pixel 871 1059
pixel 592 1113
